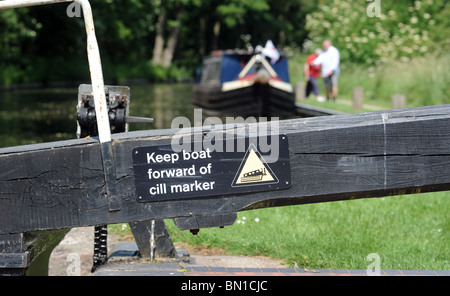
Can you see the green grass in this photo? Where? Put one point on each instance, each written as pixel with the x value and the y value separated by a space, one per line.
pixel 407 232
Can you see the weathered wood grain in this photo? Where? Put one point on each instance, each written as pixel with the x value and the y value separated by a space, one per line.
pixel 61 184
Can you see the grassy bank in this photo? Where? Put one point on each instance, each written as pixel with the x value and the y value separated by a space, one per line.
pixel 423 80
pixel 407 232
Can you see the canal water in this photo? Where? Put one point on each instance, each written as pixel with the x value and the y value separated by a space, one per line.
pixel 46 115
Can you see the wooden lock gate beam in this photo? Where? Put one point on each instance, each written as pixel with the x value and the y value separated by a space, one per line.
pixel 61 184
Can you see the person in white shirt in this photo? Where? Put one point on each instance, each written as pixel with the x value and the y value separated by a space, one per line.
pixel 329 60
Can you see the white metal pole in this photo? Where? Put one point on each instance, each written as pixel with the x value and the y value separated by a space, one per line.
pixel 95 66
pixel 24 3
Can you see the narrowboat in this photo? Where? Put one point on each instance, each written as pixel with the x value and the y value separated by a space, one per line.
pixel 245 83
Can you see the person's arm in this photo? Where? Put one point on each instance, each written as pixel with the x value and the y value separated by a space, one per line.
pixel 334 61
pixel 317 61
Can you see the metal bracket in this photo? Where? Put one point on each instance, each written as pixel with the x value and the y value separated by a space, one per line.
pixel 15 255
pixel 117 107
pixel 118 102
pixel 194 223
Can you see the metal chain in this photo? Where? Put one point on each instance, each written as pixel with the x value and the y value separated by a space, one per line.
pixel 100 246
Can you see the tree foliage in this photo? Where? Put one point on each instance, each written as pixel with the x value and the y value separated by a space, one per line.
pixel 402 29
pixel 43 41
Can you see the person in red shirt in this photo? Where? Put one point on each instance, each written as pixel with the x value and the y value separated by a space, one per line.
pixel 312 72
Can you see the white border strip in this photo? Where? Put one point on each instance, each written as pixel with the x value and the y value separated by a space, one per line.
pixel 282 85
pixel 236 84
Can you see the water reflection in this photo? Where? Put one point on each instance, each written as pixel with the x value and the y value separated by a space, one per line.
pixel 37 116
pixel 161 102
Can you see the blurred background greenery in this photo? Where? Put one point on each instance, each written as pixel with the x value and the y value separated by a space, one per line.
pixel 404 49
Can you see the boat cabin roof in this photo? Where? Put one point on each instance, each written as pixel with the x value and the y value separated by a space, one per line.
pixel 224 66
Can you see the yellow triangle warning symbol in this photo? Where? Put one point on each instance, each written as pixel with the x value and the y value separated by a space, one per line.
pixel 253 170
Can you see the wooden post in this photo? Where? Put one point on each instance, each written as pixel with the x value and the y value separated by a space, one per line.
pixel 358 98
pixel 300 90
pixel 398 101
pixel 153 239
pixel 61 184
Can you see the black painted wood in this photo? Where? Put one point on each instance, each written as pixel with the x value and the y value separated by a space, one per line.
pixel 61 185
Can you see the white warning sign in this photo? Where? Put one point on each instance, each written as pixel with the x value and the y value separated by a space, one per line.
pixel 254 170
